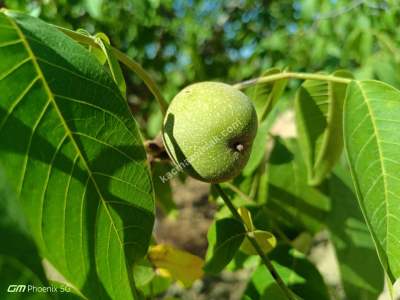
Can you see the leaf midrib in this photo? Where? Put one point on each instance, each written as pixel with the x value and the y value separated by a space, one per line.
pixel 68 131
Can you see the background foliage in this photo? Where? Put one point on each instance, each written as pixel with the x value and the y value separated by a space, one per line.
pixel 180 42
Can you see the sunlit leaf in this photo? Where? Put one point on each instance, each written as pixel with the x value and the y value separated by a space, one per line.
pixel 266 240
pixel 319 106
pixel 246 217
pixel 372 135
pixel 72 153
pixel 113 63
pixel 97 52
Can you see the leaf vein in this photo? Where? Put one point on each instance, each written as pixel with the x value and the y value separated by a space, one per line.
pixel 80 76
pixel 14 68
pixel 118 179
pixel 41 115
pixel 105 144
pixel 43 198
pixel 96 107
pixel 359 125
pixel 18 100
pixel 10 43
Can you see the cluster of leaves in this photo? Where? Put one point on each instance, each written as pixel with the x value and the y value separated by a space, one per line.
pixel 305 187
pixel 245 38
pixel 73 156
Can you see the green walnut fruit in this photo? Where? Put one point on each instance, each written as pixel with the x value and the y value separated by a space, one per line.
pixel 209 129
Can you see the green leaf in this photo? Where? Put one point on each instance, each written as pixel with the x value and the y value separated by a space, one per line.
pixel 266 95
pixel 74 156
pixel 360 270
pixel 259 93
pixel 20 262
pixel 224 239
pixel 265 239
pixel 157 286
pixel 143 272
pixel 113 64
pixel 372 135
pixel 299 274
pixel 291 200
pixel 258 149
pixel 261 194
pixel 385 68
pixel 318 107
pixel 94 8
pixel 97 52
pixel 385 41
pixel 162 188
pixel 366 43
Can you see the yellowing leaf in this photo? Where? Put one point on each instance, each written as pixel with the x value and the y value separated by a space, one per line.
pixel 246 217
pixel 181 265
pixel 265 239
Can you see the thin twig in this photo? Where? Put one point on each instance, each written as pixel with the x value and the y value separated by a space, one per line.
pixel 256 246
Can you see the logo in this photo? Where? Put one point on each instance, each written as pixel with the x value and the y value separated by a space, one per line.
pixel 16 288
pixel 30 288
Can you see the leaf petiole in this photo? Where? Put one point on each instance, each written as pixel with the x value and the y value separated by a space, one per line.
pixel 289 75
